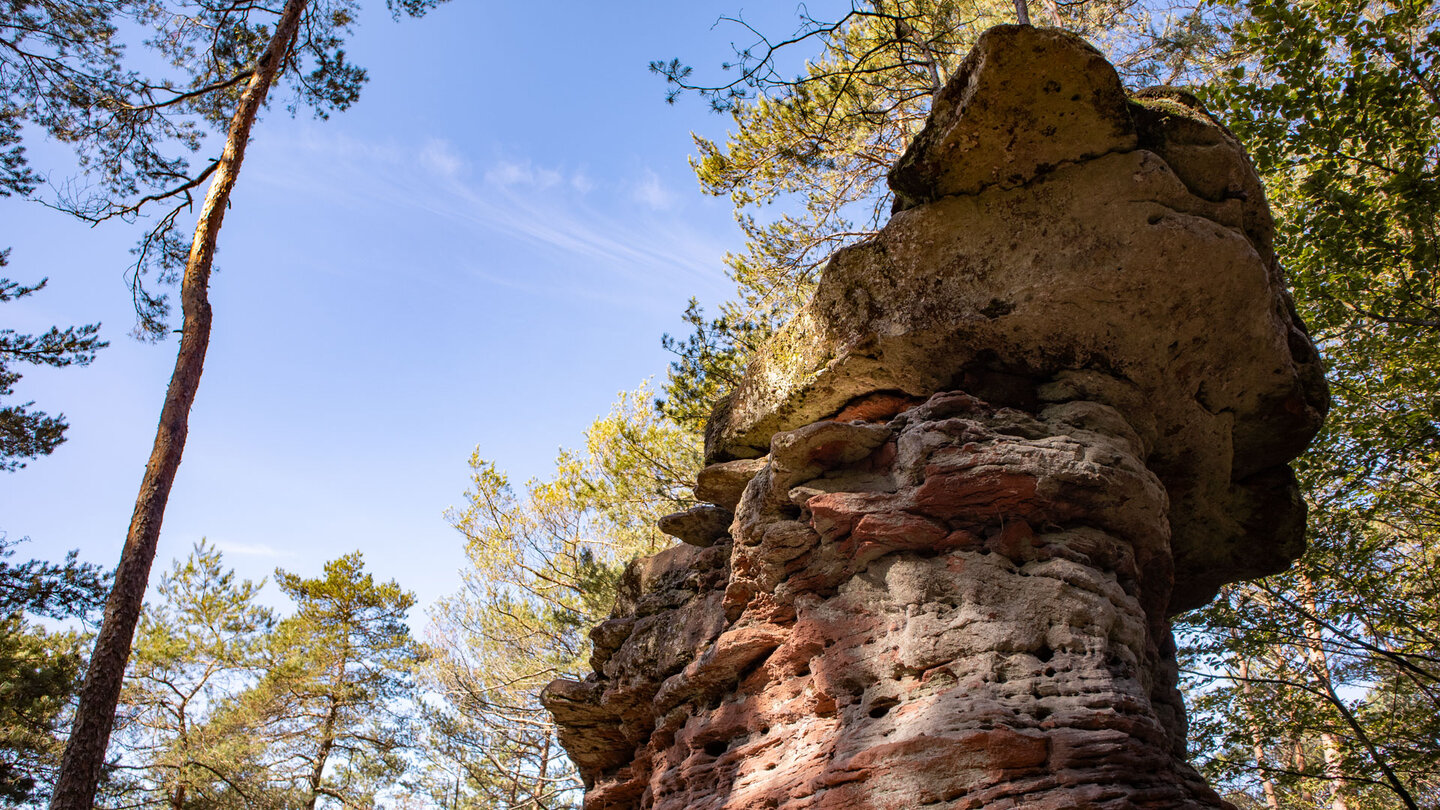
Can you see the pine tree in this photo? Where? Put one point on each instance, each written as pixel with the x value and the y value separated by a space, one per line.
pixel 39 668
pixel 543 570
pixel 330 720
pixel 230 54
pixel 196 647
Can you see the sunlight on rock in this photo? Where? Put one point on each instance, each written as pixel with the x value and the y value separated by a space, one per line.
pixel 1050 405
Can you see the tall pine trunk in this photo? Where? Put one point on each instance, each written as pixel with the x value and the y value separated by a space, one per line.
pixel 84 755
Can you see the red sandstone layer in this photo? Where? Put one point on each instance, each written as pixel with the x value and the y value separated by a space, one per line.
pixel 961 608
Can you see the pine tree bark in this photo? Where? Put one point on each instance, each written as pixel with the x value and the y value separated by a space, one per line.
pixel 95 716
pixel 327 744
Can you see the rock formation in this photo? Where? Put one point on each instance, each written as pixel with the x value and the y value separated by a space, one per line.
pixel 1051 404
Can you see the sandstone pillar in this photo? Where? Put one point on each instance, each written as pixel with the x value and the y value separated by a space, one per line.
pixel 956 501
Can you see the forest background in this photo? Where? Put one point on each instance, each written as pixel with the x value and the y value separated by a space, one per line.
pixel 1314 688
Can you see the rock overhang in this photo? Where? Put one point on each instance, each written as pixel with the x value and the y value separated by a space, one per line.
pixel 1129 261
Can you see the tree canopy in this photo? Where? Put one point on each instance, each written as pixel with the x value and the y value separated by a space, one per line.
pixel 1337 104
pixel 543 568
pixel 39 667
pixel 225 57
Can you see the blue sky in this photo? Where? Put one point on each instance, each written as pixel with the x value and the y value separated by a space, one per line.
pixel 483 251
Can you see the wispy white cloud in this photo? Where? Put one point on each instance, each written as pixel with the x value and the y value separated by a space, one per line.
pixel 650 191
pixel 439 156
pixel 606 232
pixel 509 174
pixel 252 549
pixel 505 174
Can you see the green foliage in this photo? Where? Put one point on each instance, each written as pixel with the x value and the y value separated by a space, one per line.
pixel 225 706
pixel 1344 122
pixel 39 668
pixel 39 672
pixel 1297 683
pixel 56 591
pixel 1337 104
pixel 194 650
pixel 708 363
pixel 57 57
pixel 333 702
pixel 26 434
pixel 543 571
pixel 52 52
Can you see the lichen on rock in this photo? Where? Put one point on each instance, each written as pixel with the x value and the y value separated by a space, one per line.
pixel 1049 405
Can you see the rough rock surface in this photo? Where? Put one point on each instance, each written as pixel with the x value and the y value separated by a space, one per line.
pixel 723 483
pixel 1050 404
pixel 1149 264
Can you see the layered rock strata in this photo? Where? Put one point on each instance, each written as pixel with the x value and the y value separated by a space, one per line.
pixel 953 505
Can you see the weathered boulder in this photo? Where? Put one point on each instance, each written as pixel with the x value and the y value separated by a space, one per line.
pixel 1050 404
pixel 1151 265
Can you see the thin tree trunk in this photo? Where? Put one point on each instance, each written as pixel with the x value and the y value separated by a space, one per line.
pixel 95 715
pixel 1298 763
pixel 1272 801
pixel 1320 670
pixel 1334 768
pixel 1334 757
pixel 1022 12
pixel 1054 8
pixel 542 779
pixel 514 788
pixel 177 799
pixel 327 744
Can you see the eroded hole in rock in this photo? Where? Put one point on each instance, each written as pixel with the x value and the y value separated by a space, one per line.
pixel 882 706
